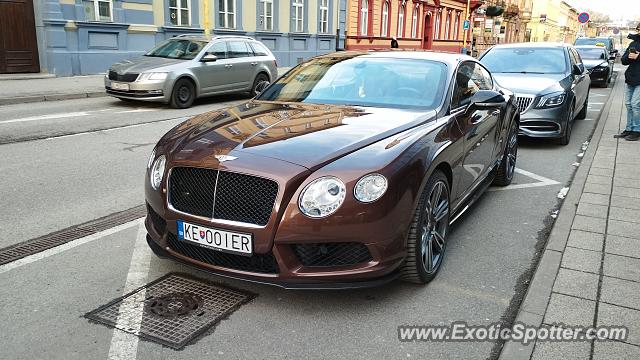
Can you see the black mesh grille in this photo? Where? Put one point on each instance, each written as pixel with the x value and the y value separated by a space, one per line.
pixel 260 263
pixel 158 222
pixel 122 77
pixel 238 197
pixel 244 198
pixel 332 254
pixel 191 190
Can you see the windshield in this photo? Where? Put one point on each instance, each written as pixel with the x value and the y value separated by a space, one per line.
pixel 178 49
pixel 525 60
pixel 591 53
pixel 363 81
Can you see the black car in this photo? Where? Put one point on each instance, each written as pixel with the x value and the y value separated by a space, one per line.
pixel 598 62
pixel 605 41
pixel 551 84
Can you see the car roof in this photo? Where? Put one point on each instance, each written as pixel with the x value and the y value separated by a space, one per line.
pixel 534 45
pixel 445 57
pixel 590 47
pixel 203 37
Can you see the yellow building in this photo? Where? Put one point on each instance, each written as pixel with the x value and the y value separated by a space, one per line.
pixel 554 21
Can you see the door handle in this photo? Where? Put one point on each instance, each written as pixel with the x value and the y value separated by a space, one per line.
pixel 228 65
pixel 254 63
pixel 496 113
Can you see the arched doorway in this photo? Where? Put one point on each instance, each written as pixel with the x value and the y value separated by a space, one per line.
pixel 427 31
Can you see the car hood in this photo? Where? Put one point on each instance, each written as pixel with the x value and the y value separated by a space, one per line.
pixel 532 83
pixel 144 63
pixel 303 134
pixel 590 64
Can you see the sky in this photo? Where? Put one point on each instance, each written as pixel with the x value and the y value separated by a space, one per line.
pixel 616 9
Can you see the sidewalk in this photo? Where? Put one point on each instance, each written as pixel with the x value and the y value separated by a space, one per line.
pixel 57 88
pixel 589 272
pixel 48 89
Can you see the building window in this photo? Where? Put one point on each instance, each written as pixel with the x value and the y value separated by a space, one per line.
pixel 447 25
pixel 456 29
pixel 266 15
pixel 103 10
pixel 414 23
pixel 400 21
pixel 364 17
pixel 180 12
pixel 298 15
pixel 384 29
pixel 227 13
pixel 324 16
pixel 436 27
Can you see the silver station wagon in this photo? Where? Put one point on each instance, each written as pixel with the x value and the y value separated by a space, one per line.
pixel 187 67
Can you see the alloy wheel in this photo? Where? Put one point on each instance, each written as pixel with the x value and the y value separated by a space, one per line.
pixel 512 152
pixel 434 227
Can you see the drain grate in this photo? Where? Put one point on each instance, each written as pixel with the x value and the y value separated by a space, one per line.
pixel 174 309
pixel 33 246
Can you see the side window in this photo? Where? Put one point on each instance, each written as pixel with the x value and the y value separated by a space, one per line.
pixel 219 49
pixel 237 49
pixel 573 58
pixel 482 78
pixel 465 87
pixel 259 49
pixel 577 56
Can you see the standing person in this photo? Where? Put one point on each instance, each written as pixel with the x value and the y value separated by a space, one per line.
pixel 632 92
pixel 394 43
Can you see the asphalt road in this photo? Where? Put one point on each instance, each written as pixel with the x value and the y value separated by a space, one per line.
pixel 68 162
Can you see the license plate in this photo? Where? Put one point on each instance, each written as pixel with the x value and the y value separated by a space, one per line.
pixel 216 239
pixel 119 86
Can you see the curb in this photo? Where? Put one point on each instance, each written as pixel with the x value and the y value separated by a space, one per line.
pixel 534 304
pixel 52 97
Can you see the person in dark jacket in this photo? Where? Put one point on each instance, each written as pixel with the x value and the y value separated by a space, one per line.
pixel 632 92
pixel 394 43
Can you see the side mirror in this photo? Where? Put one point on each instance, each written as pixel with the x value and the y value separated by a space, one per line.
pixel 209 58
pixel 612 57
pixel 487 98
pixel 614 51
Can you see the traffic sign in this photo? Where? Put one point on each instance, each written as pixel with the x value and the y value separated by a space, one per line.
pixel 583 17
pixel 465 26
pixel 616 31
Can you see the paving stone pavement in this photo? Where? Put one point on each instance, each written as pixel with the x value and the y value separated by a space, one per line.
pixel 589 274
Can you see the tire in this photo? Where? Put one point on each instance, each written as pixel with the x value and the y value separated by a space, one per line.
pixel 426 242
pixel 583 113
pixel 183 94
pixel 507 167
pixel 261 78
pixel 566 136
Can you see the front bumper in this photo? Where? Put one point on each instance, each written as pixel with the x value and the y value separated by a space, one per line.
pixel 599 76
pixel 157 91
pixel 544 123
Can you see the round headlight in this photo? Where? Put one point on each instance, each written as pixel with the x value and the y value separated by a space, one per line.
pixel 151 158
pixel 322 197
pixel 157 172
pixel 370 188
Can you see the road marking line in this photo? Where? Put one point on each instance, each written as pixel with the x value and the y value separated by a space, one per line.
pixel 593 94
pixel 593 103
pixel 70 245
pixel 123 344
pixel 47 117
pixel 542 181
pixel 135 111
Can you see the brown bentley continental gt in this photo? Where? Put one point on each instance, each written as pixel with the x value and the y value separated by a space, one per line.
pixel 345 172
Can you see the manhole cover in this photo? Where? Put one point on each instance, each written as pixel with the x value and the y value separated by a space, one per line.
pixel 172 310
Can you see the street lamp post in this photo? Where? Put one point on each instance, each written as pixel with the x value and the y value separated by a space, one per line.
pixel 465 34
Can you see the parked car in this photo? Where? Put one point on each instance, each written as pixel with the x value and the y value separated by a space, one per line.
pixel 598 62
pixel 345 172
pixel 605 41
pixel 184 68
pixel 550 82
